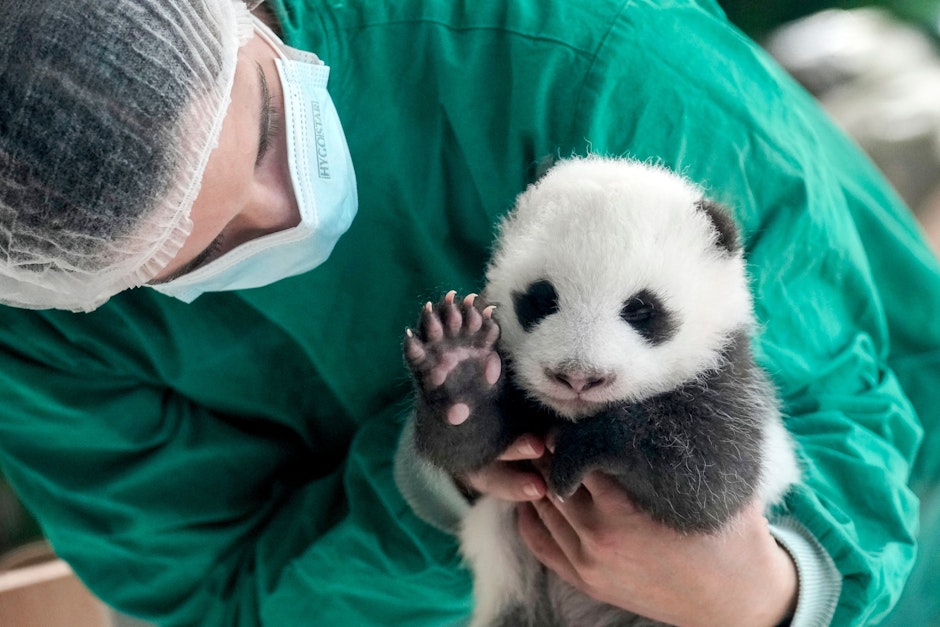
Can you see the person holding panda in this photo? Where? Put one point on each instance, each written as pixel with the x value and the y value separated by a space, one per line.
pixel 199 346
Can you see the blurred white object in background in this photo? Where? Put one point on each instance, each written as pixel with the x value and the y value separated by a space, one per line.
pixel 879 79
pixel 836 46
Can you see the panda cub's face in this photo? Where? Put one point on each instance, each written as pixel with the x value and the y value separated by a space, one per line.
pixel 614 281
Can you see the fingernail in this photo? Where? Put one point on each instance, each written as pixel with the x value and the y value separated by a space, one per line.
pixel 530 490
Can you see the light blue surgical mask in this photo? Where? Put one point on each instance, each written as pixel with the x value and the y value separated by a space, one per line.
pixel 324 184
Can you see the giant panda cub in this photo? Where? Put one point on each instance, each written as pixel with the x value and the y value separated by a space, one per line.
pixel 621 325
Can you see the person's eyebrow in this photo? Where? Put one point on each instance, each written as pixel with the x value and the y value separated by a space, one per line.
pixel 266 121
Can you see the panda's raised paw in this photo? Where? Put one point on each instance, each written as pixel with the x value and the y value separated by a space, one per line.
pixel 452 354
pixel 458 375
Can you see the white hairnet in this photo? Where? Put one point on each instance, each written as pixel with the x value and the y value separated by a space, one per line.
pixel 109 111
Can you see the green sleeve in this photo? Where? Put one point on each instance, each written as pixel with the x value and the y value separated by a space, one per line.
pixel 183 516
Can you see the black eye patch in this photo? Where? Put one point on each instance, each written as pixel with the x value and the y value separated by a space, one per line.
pixel 645 312
pixel 539 300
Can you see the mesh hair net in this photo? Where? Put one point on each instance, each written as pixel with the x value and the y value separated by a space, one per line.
pixel 109 111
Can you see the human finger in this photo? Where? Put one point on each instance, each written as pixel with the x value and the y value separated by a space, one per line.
pixel 507 482
pixel 597 503
pixel 544 545
pixel 581 513
pixel 525 447
pixel 560 528
pixel 607 494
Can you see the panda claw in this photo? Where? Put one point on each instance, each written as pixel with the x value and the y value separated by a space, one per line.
pixel 414 350
pixel 432 329
pixel 488 338
pixel 452 318
pixel 473 319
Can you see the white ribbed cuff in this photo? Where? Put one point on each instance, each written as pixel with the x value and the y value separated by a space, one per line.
pixel 820 582
pixel 430 491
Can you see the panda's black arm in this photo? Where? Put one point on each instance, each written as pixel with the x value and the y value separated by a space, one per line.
pixel 690 457
pixel 479 439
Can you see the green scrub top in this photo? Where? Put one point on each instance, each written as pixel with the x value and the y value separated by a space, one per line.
pixel 229 462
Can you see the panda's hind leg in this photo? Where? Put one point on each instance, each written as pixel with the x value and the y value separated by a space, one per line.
pixel 458 378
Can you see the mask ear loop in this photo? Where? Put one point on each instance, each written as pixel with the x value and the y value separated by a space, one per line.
pixel 252 4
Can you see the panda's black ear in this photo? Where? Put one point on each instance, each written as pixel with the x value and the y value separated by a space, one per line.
pixel 728 238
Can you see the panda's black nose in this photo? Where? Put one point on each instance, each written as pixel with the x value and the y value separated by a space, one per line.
pixel 579 381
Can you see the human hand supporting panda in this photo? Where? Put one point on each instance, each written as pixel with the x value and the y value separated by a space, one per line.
pixel 504 478
pixel 600 543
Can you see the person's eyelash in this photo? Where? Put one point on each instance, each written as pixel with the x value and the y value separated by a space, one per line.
pixel 211 252
pixel 214 249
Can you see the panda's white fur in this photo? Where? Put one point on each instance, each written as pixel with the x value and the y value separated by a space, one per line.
pixel 576 226
pixel 601 230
